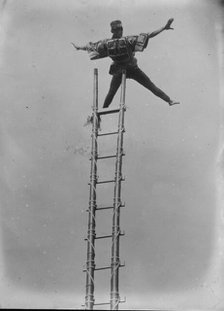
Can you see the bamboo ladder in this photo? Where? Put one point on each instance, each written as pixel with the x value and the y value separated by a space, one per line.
pixel 117 203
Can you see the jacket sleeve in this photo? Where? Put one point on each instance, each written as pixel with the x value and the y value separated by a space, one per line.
pixel 141 42
pixel 97 50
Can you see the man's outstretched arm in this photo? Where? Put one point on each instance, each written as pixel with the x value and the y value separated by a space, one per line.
pixel 95 50
pixel 83 48
pixel 166 27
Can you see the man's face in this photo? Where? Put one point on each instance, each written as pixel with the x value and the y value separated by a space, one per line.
pixel 118 33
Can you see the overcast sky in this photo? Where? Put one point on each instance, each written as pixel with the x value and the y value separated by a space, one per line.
pixel 173 244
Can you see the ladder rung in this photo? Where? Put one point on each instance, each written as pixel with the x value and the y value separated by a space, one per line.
pixel 107 207
pixel 109 133
pixel 100 268
pixel 108 181
pixel 105 181
pixel 100 113
pixel 101 303
pixel 104 207
pixel 108 236
pixel 107 157
pixel 105 268
pixel 103 236
pixel 110 156
pixel 106 303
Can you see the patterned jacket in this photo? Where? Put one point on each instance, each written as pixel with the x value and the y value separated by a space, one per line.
pixel 121 50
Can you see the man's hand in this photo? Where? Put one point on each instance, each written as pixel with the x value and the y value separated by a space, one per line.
pixel 168 24
pixel 75 46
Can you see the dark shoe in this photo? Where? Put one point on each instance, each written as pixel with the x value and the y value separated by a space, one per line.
pixel 172 102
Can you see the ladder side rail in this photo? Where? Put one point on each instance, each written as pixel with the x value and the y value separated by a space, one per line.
pixel 91 234
pixel 115 249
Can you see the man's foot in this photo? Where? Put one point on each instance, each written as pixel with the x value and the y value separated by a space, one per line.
pixel 172 102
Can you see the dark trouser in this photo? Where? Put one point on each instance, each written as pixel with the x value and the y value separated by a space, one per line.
pixel 138 75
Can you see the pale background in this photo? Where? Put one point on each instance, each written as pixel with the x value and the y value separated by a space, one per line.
pixel 173 248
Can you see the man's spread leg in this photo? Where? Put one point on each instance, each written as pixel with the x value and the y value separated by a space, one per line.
pixel 114 85
pixel 144 80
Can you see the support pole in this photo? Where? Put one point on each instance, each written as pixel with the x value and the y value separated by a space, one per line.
pixel 91 235
pixel 115 256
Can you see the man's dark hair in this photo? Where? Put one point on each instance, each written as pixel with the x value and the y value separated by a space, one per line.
pixel 115 25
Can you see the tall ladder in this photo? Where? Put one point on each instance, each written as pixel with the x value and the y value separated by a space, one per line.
pixel 117 203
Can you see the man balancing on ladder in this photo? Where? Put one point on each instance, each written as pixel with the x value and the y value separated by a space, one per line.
pixel 122 51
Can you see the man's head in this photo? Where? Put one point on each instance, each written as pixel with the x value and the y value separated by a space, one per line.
pixel 116 28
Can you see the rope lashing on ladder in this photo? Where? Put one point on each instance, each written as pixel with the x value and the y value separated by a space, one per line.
pixel 116 304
